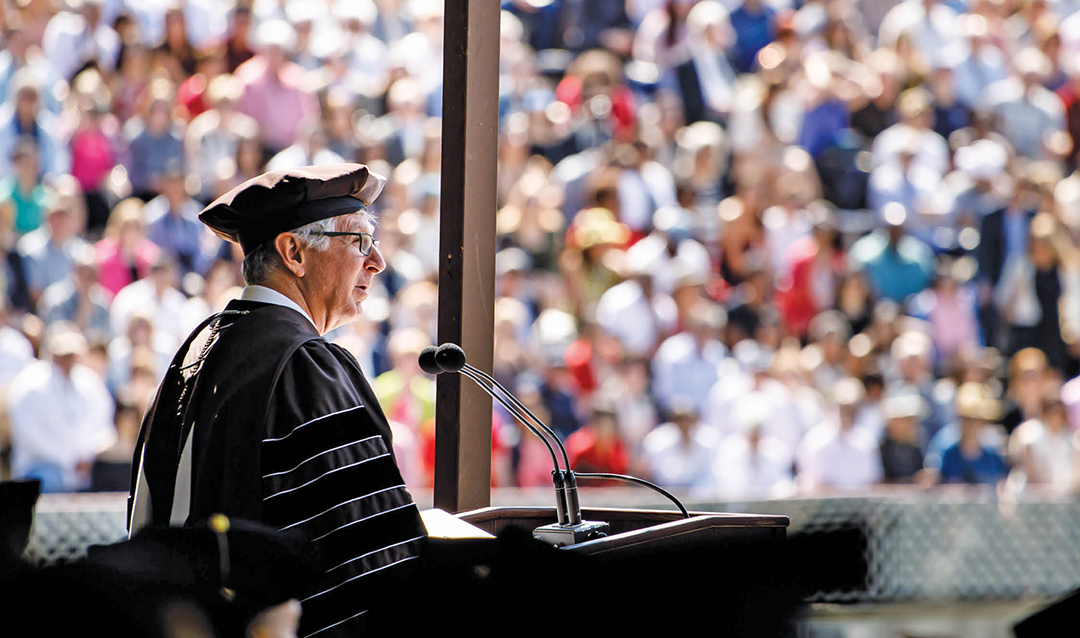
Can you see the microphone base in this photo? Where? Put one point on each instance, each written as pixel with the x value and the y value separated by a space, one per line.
pixel 563 535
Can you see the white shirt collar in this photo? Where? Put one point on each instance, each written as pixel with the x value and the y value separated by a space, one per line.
pixel 262 294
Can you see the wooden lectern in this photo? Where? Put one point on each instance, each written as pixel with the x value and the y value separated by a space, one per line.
pixel 657 573
pixel 637 531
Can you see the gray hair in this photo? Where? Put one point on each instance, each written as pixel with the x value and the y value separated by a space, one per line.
pixel 264 259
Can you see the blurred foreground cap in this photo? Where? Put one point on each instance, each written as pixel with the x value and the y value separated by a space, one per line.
pixel 234 568
pixel 279 201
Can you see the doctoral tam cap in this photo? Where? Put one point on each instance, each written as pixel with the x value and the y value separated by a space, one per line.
pixel 279 201
pixel 232 568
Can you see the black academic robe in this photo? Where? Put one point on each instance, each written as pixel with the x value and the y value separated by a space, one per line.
pixel 285 430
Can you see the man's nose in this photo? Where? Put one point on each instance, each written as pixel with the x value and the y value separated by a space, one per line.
pixel 375 261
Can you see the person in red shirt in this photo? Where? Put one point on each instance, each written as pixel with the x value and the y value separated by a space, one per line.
pixel 809 287
pixel 598 446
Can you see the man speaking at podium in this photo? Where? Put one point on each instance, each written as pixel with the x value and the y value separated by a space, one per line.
pixel 261 418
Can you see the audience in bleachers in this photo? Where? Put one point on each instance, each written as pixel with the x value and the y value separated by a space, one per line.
pixel 746 248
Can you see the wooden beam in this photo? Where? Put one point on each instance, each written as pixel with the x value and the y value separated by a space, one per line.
pixel 467 248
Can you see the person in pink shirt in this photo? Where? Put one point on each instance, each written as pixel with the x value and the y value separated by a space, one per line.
pixel 273 92
pixel 91 151
pixel 951 308
pixel 92 145
pixel 124 255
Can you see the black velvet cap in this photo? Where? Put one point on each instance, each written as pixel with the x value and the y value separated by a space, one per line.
pixel 279 201
pixel 232 568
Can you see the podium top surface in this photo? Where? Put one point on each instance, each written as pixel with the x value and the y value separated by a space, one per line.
pixel 628 518
pixel 632 528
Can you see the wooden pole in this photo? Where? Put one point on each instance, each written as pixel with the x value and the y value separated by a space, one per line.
pixel 467 248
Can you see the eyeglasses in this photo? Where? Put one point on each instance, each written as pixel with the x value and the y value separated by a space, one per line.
pixel 367 241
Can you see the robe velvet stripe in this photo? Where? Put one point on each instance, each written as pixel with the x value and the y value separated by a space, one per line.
pixel 312 472
pixel 288 459
pixel 328 473
pixel 316 420
pixel 367 585
pixel 326 629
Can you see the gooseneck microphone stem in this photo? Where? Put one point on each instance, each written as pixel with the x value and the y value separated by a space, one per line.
pixel 566 487
pixel 513 411
pixel 450 358
pixel 570 529
pixel 569 480
pixel 521 406
pixel 563 511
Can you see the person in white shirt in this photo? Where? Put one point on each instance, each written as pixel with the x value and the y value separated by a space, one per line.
pixel 836 454
pixel 61 416
pixel 213 136
pixel 207 21
pixel 637 414
pixel 913 131
pixel 912 185
pixel 421 51
pixel 932 26
pixel 978 61
pixel 635 314
pixel 751 463
pixel 159 294
pixel 75 37
pixel 785 223
pixel 680 453
pixel 367 55
pixel 1029 113
pixel 740 387
pixel 149 17
pixel 686 363
pixel 1044 451
pixel 308 150
pixel 670 251
pixel 123 351
pixel 644 186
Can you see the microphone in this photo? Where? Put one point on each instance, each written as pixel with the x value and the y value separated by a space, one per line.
pixel 449 357
pixel 430 361
pixel 427 361
pixel 570 528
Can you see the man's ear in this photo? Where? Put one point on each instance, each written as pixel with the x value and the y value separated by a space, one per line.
pixel 291 252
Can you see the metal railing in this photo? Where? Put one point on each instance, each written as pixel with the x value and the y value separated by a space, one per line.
pixel 910 545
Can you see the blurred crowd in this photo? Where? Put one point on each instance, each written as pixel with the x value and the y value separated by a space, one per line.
pixel 745 248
